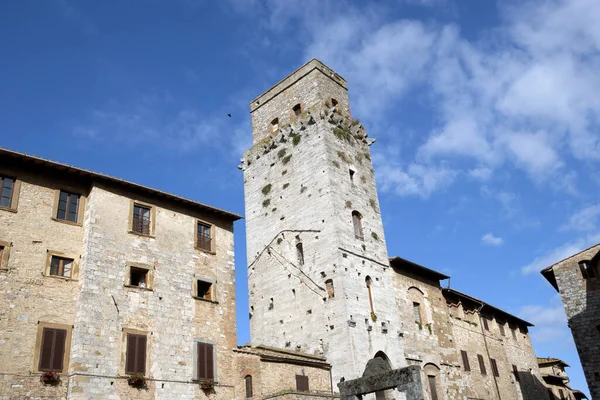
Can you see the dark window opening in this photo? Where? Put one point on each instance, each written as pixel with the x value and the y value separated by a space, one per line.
pixel 329 288
pixel 248 380
pixel 481 364
pixel 465 359
pixel 60 266
pixel 587 269
pixel 334 102
pixel 302 383
pixel 6 191
pixel 135 358
pixel 203 236
pixel 68 204
pixel 357 224
pixel 562 394
pixel 417 312
pixel 204 289
pixel 516 373
pixel 138 277
pixel 351 172
pixel 52 350
pixel 369 283
pixel 206 365
pixel 494 367
pixel 297 109
pixel 275 125
pixel 485 323
pixel 300 253
pixel 141 219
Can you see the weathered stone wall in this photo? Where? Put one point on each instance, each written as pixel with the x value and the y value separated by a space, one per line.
pixel 298 188
pixel 581 299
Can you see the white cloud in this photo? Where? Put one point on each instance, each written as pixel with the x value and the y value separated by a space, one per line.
pixel 585 220
pixel 550 322
pixel 481 173
pixel 492 240
pixel 559 253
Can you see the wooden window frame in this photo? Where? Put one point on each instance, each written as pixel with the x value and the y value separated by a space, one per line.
pixel 212 249
pixel 465 359
pixel 494 365
pixel 196 361
pixel 38 345
pixel 249 388
pixel 301 380
pixel 149 276
pixel 74 265
pixel 152 225
pixel 80 207
pixel 213 289
pixel 417 306
pixel 14 196
pixel 4 255
pixel 481 364
pixel 129 331
pixel 357 225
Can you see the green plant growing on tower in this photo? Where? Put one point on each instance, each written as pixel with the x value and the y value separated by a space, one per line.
pixel 285 185
pixel 343 134
pixel 286 159
pixel 279 240
pixel 284 172
pixel 343 157
pixel 367 156
pixel 359 158
pixel 373 204
pixel 266 203
pixel 374 235
pixel 281 153
pixel 335 164
pixel 348 204
pixel 266 189
pixel 296 139
pixel 303 189
pixel 363 179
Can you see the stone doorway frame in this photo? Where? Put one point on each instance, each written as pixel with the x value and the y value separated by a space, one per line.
pixel 407 380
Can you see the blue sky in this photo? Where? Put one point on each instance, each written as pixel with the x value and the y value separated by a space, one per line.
pixel 485 114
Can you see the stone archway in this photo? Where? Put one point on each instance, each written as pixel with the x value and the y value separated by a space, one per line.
pixel 379 377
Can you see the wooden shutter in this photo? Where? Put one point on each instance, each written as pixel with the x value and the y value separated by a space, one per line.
pixel 135 358
pixel 494 367
pixel 52 350
pixel 516 373
pixel 206 361
pixel 481 364
pixel 248 386
pixel 465 359
pixel 302 383
pixel 210 362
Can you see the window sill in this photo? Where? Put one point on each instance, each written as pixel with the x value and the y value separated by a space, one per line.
pixel 13 210
pixel 152 236
pixel 205 251
pixel 64 221
pixel 64 278
pixel 139 287
pixel 205 300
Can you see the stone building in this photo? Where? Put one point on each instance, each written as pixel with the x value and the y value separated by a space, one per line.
pixel 102 279
pixel 320 280
pixel 556 379
pixel 577 279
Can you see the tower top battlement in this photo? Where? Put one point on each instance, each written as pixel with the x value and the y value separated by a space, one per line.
pixel 311 84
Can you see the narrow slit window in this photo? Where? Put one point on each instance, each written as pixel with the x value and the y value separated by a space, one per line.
pixel 334 102
pixel 357 225
pixel 68 204
pixel 275 125
pixel 329 288
pixel 351 173
pixel 204 236
pixel 481 364
pixel 297 109
pixel 494 367
pixel 465 359
pixel 204 289
pixel 248 381
pixel 485 323
pixel 138 277
pixel 514 333
pixel 6 191
pixel 60 266
pixel 516 373
pixel 141 219
pixel 300 253
pixel 417 312
pixel 369 283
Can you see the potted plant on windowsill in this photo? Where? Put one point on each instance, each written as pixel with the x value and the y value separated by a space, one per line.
pixel 50 378
pixel 137 380
pixel 207 385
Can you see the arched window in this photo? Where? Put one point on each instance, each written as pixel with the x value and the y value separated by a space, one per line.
pixel 297 109
pixel 300 253
pixel 369 283
pixel 329 287
pixel 357 224
pixel 334 102
pixel 248 380
pixel 275 125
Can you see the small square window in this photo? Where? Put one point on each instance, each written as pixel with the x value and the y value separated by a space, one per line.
pixel 204 289
pixel 297 109
pixel 138 277
pixel 60 266
pixel 302 383
pixel 141 219
pixel 68 206
pixel 204 236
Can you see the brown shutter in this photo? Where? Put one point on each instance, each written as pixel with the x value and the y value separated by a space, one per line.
pixel 130 355
pixel 141 355
pixel 248 386
pixel 481 364
pixel 465 359
pixel 201 360
pixel 302 383
pixel 210 362
pixel 45 363
pixel 60 337
pixel 494 367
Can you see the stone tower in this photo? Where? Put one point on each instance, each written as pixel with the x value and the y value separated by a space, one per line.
pixel 318 271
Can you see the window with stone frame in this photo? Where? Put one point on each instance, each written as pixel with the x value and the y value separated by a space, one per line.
pixel 300 253
pixel 204 236
pixel 329 288
pixel 465 359
pixel 297 109
pixel 3 252
pixel 52 350
pixel 485 323
pixel 68 206
pixel 61 266
pixel 501 328
pixel 7 187
pixel 302 383
pixel 203 289
pixel 417 312
pixel 494 367
pixel 248 382
pixel 135 356
pixel 589 268
pixel 141 221
pixel 275 125
pixel 481 364
pixel 357 225
pixel 205 361
pixel 139 277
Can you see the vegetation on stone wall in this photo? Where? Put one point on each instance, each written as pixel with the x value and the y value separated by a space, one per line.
pixel 374 235
pixel 359 158
pixel 343 157
pixel 303 188
pixel 286 159
pixel 284 172
pixel 335 164
pixel 348 204
pixel 266 189
pixel 343 134
pixel 281 153
pixel 285 185
pixel 295 138
pixel 373 204
pixel 266 203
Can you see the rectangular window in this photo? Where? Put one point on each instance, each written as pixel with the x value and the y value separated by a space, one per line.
pixel 302 383
pixel 494 367
pixel 68 206
pixel 204 289
pixel 138 277
pixel 481 364
pixel 248 380
pixel 6 191
pixel 501 327
pixel 417 312
pixel 300 253
pixel 203 236
pixel 205 361
pixel 465 359
pixel 514 333
pixel 60 266
pixel 485 323
pixel 135 358
pixel 516 373
pixel 432 387
pixel 141 219
pixel 52 349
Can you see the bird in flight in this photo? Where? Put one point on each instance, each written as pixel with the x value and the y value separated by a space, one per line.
pixel 229 115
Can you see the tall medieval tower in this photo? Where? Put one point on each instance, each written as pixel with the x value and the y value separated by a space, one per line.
pixel 318 272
